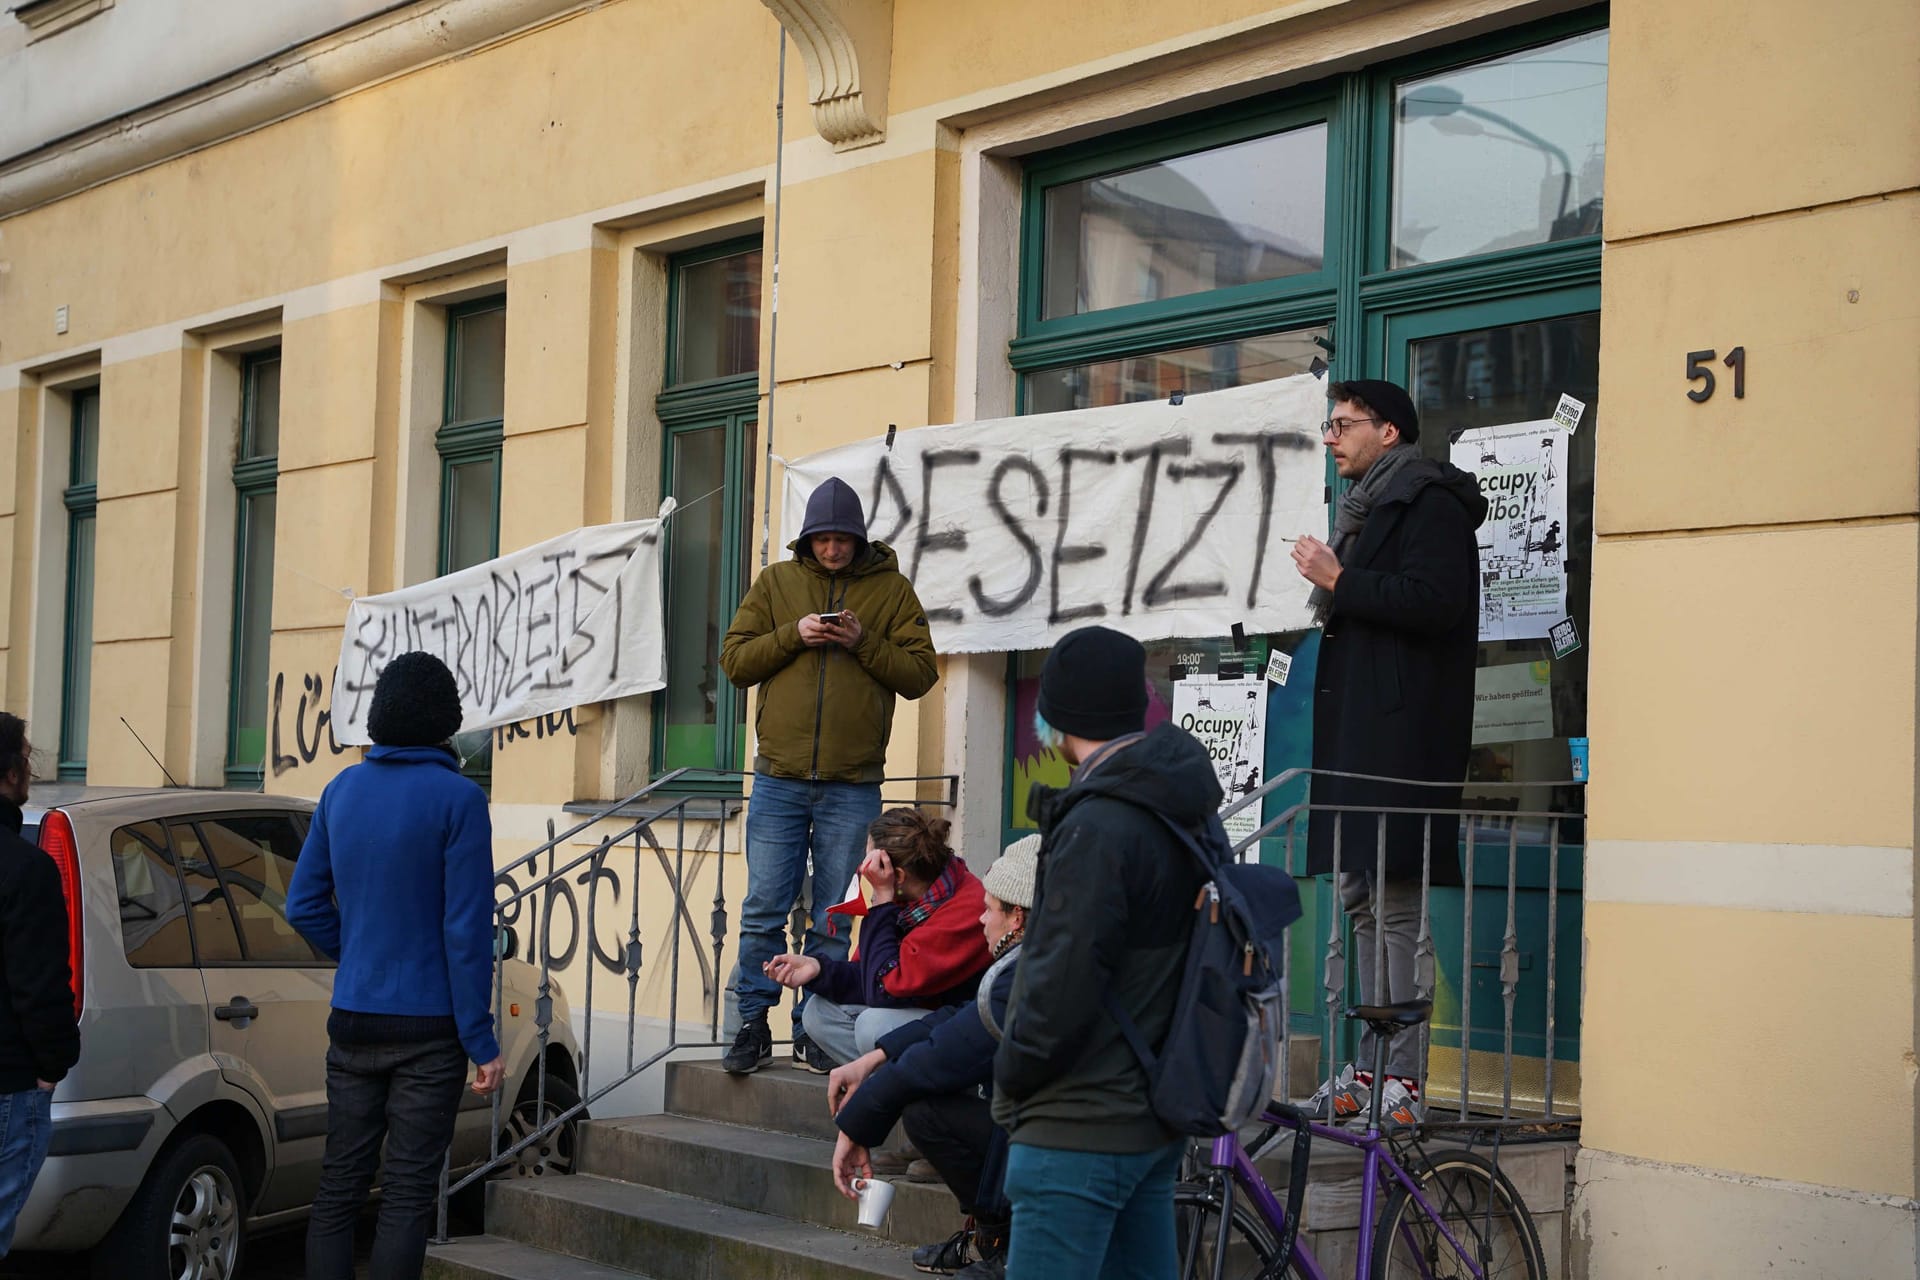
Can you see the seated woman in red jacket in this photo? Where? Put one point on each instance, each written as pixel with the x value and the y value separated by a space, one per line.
pixel 920 948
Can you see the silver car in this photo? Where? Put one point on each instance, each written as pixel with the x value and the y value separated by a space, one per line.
pixel 199 1107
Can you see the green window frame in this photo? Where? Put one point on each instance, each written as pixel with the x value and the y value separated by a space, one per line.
pixel 462 443
pixel 690 411
pixel 81 497
pixel 256 475
pixel 1361 300
pixel 471 445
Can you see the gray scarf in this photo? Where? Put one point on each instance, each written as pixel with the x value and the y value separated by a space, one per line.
pixel 1355 505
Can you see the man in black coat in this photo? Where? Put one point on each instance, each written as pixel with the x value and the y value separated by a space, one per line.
pixel 39 1036
pixel 1090 1168
pixel 1398 594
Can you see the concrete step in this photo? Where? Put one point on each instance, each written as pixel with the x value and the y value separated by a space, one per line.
pixel 659 1233
pixel 491 1258
pixel 775 1173
pixel 779 1097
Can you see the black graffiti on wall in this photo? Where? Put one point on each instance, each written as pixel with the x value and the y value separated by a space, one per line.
pixel 554 724
pixel 312 727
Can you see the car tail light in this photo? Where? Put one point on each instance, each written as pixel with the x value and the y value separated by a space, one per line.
pixel 56 839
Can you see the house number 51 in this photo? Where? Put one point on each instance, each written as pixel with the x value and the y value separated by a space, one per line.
pixel 1699 370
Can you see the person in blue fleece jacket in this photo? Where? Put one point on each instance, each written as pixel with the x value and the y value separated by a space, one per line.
pixel 395 882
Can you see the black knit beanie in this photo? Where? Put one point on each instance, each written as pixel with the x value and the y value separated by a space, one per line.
pixel 1094 685
pixel 415 703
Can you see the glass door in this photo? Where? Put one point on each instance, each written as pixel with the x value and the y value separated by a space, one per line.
pixel 1487 379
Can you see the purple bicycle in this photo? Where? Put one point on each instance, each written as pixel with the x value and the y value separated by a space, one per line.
pixel 1449 1214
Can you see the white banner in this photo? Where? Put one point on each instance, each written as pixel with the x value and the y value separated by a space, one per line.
pixel 1159 519
pixel 1523 543
pixel 1229 717
pixel 575 619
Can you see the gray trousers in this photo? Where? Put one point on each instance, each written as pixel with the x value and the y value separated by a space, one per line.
pixel 1399 922
pixel 849 1031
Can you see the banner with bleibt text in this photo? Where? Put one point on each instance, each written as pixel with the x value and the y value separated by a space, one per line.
pixel 1156 518
pixel 572 620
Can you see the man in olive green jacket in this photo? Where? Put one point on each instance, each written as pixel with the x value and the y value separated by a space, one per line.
pixel 831 637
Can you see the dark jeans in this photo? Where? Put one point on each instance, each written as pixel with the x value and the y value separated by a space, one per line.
pixel 26 1125
pixel 954 1132
pixel 408 1096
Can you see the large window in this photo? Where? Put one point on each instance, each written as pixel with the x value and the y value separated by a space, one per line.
pixel 469 440
pixel 708 412
pixel 469 444
pixel 1436 221
pixel 81 496
pixel 255 474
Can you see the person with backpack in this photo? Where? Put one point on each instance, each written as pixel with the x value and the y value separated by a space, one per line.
pixel 1091 1165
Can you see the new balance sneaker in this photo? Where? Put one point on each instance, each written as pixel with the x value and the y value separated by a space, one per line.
pixel 1399 1108
pixel 752 1049
pixel 810 1055
pixel 1349 1098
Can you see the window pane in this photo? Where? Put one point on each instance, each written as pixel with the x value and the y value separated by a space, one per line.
pixel 1159 375
pixel 1516 373
pixel 253 630
pixel 1501 154
pixel 213 933
pixel 84 461
pixel 697 611
pixel 718 329
pixel 260 435
pixel 79 655
pixel 153 912
pixel 1255 210
pixel 256 856
pixel 480 366
pixel 473 511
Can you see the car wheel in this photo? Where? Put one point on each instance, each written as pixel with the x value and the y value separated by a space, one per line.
pixel 184 1223
pixel 553 1154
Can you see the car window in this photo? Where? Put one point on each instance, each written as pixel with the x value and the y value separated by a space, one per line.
pixel 153 911
pixel 215 939
pixel 255 854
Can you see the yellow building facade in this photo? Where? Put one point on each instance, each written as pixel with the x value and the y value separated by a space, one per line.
pixel 460 275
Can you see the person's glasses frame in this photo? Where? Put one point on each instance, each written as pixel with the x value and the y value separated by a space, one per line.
pixel 1337 427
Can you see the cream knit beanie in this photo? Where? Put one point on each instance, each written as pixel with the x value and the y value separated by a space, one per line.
pixel 1011 878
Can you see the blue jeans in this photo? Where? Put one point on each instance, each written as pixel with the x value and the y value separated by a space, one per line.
pixel 785 818
pixel 1092 1214
pixel 26 1122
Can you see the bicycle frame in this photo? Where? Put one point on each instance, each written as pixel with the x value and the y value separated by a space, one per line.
pixel 1229 1157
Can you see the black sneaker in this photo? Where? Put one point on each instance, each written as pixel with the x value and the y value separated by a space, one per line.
pixel 752 1049
pixel 810 1055
pixel 994 1268
pixel 948 1256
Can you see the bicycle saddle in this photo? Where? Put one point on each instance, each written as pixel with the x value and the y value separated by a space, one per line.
pixel 1386 1018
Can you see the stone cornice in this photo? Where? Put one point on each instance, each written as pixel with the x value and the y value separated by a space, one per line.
pixel 273 89
pixel 848 48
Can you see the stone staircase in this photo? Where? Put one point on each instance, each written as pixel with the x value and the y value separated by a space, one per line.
pixel 732 1182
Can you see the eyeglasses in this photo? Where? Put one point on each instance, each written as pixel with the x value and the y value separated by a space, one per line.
pixel 1337 427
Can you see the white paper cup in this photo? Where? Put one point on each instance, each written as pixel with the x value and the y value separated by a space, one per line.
pixel 876 1197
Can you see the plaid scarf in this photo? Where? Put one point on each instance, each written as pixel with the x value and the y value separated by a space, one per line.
pixel 938 892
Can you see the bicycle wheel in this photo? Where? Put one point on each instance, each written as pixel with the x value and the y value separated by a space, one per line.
pixel 1251 1247
pixel 1481 1210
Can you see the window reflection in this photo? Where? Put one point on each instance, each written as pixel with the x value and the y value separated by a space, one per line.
pixel 1233 215
pixel 1501 154
pixel 1158 375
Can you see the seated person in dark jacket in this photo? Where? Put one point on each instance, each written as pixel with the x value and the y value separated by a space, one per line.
pixel 920 947
pixel 935 1076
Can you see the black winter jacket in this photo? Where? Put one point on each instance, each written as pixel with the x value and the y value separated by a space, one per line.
pixel 39 1039
pixel 1113 907
pixel 1393 694
pixel 948 1051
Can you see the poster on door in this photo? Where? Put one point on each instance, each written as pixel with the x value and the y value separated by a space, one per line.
pixel 1522 468
pixel 1230 719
